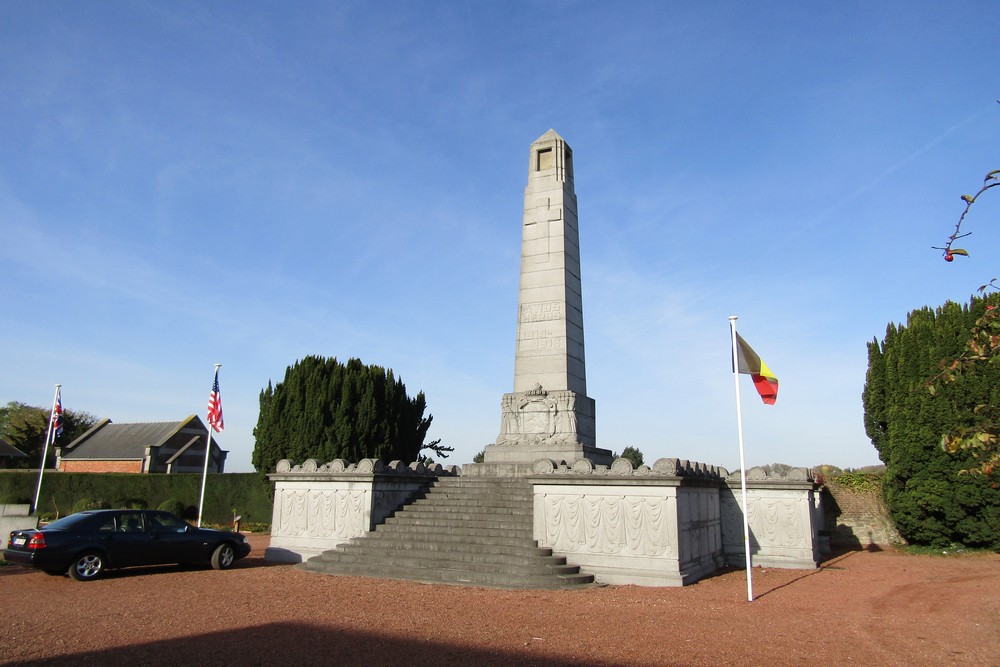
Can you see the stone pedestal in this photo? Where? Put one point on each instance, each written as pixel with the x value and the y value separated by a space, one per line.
pixel 538 424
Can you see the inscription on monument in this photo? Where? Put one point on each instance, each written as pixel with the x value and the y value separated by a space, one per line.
pixel 541 312
pixel 553 343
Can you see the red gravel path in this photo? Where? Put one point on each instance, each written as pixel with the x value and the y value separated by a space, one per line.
pixel 881 607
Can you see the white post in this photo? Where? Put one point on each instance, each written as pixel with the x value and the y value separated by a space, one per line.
pixel 208 454
pixel 743 468
pixel 45 450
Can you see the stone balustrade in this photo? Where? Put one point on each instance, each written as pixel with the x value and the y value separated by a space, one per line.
pixel 784 518
pixel 653 526
pixel 668 524
pixel 320 505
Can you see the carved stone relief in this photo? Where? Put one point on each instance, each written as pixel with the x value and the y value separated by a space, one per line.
pixel 625 525
pixel 536 417
pixel 323 514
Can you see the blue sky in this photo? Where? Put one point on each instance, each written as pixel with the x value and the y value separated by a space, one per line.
pixel 248 183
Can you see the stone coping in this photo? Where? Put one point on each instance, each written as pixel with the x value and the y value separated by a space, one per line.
pixel 543 467
pixel 366 467
pixel 757 475
pixel 622 467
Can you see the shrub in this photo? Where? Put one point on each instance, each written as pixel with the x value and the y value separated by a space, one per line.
pixel 255 527
pixel 84 504
pixel 173 506
pixel 930 501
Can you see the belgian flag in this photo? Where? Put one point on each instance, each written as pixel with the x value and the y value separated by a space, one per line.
pixel 764 381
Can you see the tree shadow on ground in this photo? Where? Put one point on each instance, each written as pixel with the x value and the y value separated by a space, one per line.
pixel 304 644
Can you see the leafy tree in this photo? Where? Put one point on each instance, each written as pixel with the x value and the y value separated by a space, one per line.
pixel 26 426
pixel 632 454
pixel 480 456
pixel 978 435
pixel 928 500
pixel 779 469
pixel 324 409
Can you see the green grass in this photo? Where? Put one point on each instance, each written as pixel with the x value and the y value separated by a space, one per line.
pixel 951 550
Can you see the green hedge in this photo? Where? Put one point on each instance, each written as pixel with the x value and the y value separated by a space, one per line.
pixel 247 493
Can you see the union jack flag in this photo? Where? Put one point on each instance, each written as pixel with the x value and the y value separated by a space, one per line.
pixel 215 406
pixel 57 421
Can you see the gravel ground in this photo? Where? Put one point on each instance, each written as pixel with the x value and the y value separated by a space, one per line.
pixel 875 607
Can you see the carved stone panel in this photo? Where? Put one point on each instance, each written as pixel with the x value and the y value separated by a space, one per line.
pixel 604 524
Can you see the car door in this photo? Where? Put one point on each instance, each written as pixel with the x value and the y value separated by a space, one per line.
pixel 131 544
pixel 171 538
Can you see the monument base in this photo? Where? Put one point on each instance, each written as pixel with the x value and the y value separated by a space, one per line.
pixel 539 424
pixel 526 454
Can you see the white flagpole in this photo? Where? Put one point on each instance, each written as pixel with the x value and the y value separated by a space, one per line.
pixel 45 450
pixel 208 453
pixel 743 468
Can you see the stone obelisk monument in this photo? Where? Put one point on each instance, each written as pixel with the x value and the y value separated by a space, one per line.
pixel 549 415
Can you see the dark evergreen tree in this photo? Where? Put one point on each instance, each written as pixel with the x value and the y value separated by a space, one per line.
pixel 929 500
pixel 324 410
pixel 632 454
pixel 26 427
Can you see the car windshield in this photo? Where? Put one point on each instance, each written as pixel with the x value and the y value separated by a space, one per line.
pixel 72 521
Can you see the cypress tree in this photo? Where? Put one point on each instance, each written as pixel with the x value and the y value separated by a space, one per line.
pixel 929 500
pixel 324 409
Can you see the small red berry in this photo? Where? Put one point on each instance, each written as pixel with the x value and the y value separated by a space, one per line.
pixel 949 257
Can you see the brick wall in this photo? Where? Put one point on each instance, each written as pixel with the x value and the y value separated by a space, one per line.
pixel 857 518
pixel 101 466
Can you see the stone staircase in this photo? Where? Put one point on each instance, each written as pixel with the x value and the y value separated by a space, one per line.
pixel 467 531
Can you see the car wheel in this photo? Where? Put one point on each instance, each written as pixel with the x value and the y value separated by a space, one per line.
pixel 87 566
pixel 223 557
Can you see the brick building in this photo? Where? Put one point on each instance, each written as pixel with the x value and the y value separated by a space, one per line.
pixel 162 447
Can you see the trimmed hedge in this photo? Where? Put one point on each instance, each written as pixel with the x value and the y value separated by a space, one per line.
pixel 247 493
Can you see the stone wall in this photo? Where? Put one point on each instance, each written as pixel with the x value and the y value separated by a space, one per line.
pixel 669 525
pixel 784 519
pixel 15 517
pixel 318 506
pixel 656 526
pixel 857 518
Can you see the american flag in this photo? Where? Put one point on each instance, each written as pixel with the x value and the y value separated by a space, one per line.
pixel 215 406
pixel 57 422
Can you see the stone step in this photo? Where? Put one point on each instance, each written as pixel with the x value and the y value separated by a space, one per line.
pixel 457 520
pixel 484 500
pixel 468 511
pixel 482 482
pixel 454 576
pixel 455 548
pixel 445 527
pixel 460 531
pixel 449 561
pixel 447 540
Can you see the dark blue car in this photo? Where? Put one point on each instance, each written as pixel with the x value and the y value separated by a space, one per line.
pixel 87 543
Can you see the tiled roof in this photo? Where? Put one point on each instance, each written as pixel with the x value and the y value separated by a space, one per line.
pixel 124 441
pixel 7 449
